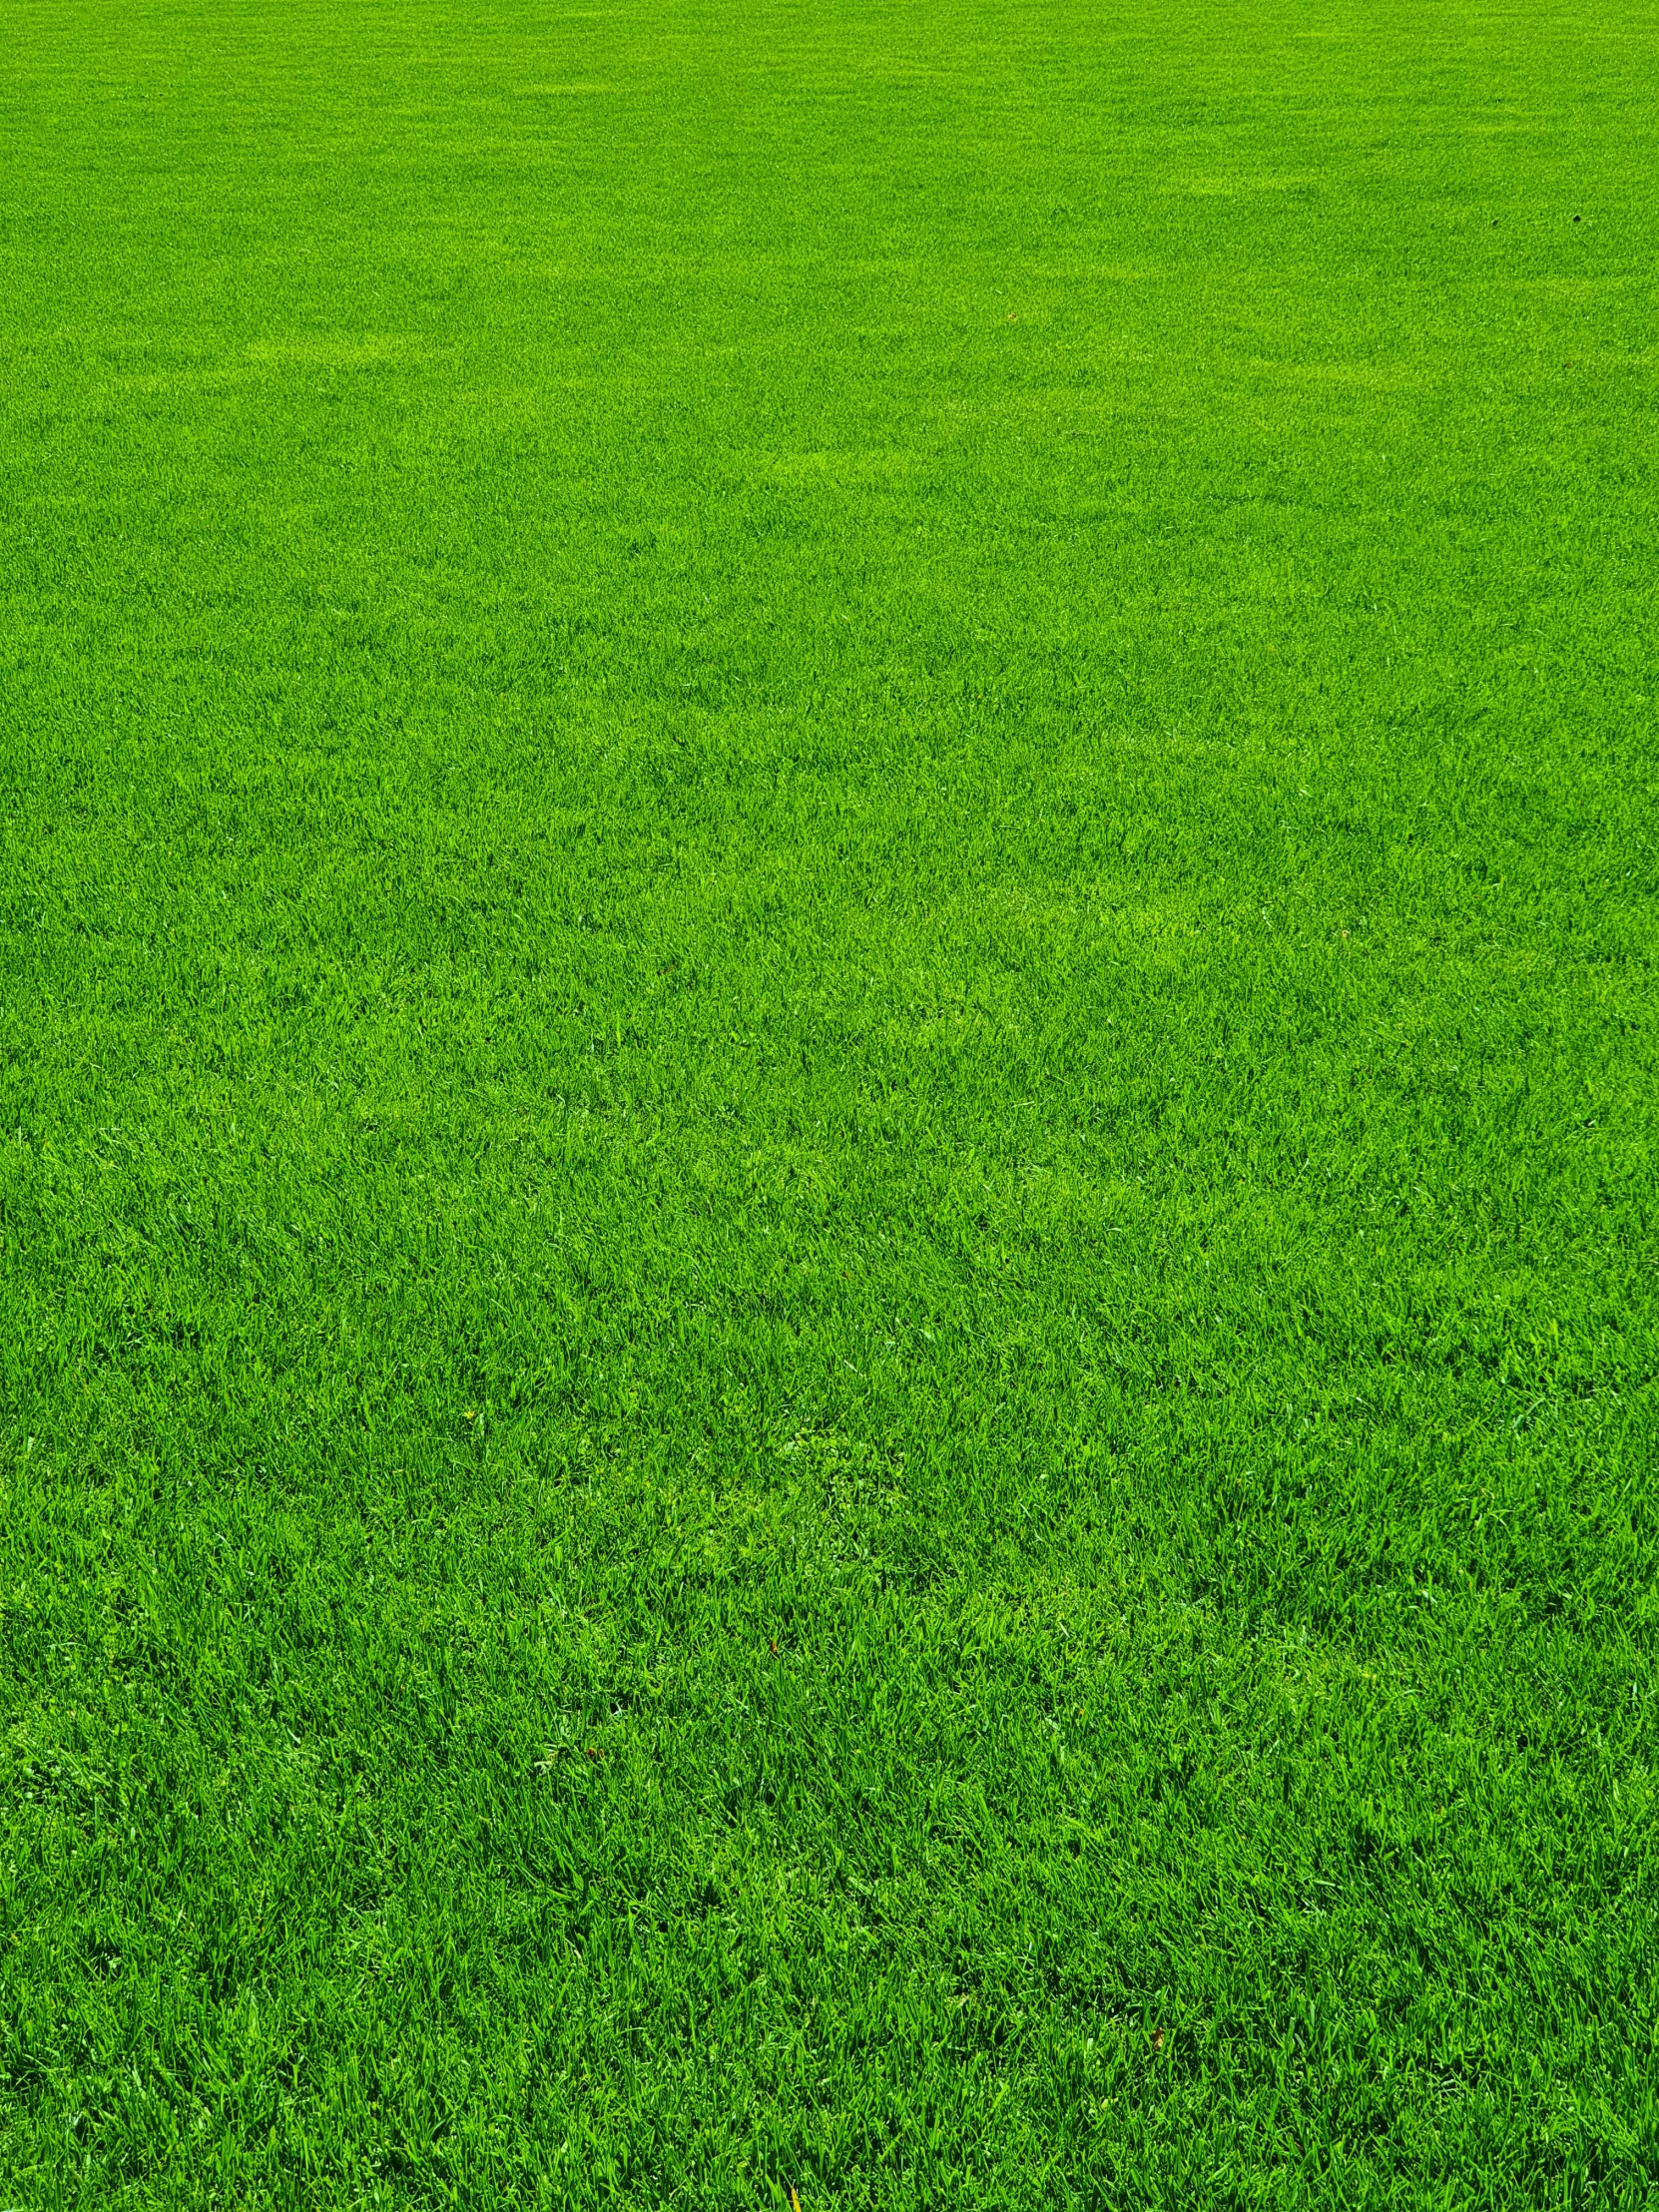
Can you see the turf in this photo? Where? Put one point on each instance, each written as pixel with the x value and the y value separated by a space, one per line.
pixel 827 899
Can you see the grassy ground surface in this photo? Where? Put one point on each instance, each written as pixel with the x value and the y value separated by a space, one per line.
pixel 827 1104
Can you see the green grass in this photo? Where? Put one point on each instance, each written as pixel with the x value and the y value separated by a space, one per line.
pixel 828 1110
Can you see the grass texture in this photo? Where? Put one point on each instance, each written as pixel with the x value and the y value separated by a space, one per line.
pixel 827 1104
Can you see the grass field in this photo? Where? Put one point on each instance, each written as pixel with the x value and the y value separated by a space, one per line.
pixel 827 1172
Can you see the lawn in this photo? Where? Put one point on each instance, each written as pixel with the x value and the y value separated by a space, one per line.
pixel 828 1105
